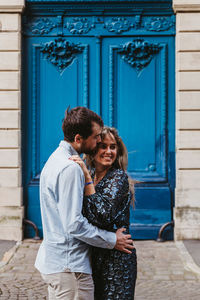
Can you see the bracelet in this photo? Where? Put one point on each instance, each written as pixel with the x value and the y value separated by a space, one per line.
pixel 90 182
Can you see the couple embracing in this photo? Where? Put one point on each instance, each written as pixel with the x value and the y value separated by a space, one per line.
pixel 87 252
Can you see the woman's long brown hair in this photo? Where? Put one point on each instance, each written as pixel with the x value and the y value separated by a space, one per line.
pixel 121 161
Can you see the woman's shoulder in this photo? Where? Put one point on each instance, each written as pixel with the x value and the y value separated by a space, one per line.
pixel 118 173
pixel 119 179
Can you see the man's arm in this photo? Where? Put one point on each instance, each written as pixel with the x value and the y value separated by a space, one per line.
pixel 70 187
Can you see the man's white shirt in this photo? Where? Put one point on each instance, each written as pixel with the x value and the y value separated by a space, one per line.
pixel 66 233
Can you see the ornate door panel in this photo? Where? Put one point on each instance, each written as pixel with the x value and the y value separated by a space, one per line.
pixel 121 65
pixel 58 71
pixel 137 102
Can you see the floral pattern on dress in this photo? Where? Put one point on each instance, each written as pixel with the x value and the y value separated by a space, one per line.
pixel 114 272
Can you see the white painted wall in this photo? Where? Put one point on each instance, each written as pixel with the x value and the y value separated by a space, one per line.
pixel 11 209
pixel 187 199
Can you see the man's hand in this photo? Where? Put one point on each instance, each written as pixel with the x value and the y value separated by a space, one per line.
pixel 124 241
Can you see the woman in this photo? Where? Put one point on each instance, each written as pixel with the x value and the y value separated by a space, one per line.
pixel 106 205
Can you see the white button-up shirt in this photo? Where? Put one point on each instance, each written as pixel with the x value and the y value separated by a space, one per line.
pixel 67 234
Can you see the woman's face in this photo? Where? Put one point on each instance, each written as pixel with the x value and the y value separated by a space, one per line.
pixel 107 151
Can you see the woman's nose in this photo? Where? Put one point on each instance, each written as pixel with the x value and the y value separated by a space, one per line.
pixel 108 150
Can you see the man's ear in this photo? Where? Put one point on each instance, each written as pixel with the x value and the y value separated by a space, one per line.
pixel 78 138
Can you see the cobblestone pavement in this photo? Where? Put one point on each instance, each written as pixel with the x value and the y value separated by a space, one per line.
pixel 162 274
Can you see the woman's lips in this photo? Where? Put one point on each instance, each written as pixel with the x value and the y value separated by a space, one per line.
pixel 107 157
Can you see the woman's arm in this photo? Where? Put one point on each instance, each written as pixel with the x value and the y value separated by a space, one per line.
pixel 102 208
pixel 89 185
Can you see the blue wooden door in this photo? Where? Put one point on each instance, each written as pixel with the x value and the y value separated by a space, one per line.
pixel 120 66
pixel 138 99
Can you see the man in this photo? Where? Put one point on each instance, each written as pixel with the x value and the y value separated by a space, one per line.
pixel 63 258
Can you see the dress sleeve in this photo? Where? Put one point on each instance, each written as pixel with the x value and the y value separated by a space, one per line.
pixel 102 208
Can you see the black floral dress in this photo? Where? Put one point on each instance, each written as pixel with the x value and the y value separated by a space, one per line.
pixel 114 272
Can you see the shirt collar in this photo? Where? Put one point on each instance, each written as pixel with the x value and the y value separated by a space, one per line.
pixel 68 147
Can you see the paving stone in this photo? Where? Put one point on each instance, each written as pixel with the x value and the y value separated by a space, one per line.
pixel 162 274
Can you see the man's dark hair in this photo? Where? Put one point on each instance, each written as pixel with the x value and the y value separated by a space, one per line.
pixel 79 121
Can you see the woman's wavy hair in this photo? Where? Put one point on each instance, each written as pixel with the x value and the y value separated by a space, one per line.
pixel 121 161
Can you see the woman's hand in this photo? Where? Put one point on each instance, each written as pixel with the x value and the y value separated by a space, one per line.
pixel 81 163
pixel 89 186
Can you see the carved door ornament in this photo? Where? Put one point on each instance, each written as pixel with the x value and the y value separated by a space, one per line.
pixel 61 53
pixel 40 26
pixel 79 26
pixel 159 23
pixel 138 53
pixel 118 25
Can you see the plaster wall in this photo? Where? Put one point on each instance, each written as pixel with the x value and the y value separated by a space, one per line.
pixel 187 197
pixel 11 209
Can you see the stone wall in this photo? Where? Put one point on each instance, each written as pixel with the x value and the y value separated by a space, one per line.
pixel 11 209
pixel 187 199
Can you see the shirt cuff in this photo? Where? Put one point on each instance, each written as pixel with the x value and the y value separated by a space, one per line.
pixel 112 240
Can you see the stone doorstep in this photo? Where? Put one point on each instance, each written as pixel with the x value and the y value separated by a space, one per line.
pixel 9 253
pixel 193 247
pixel 187 258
